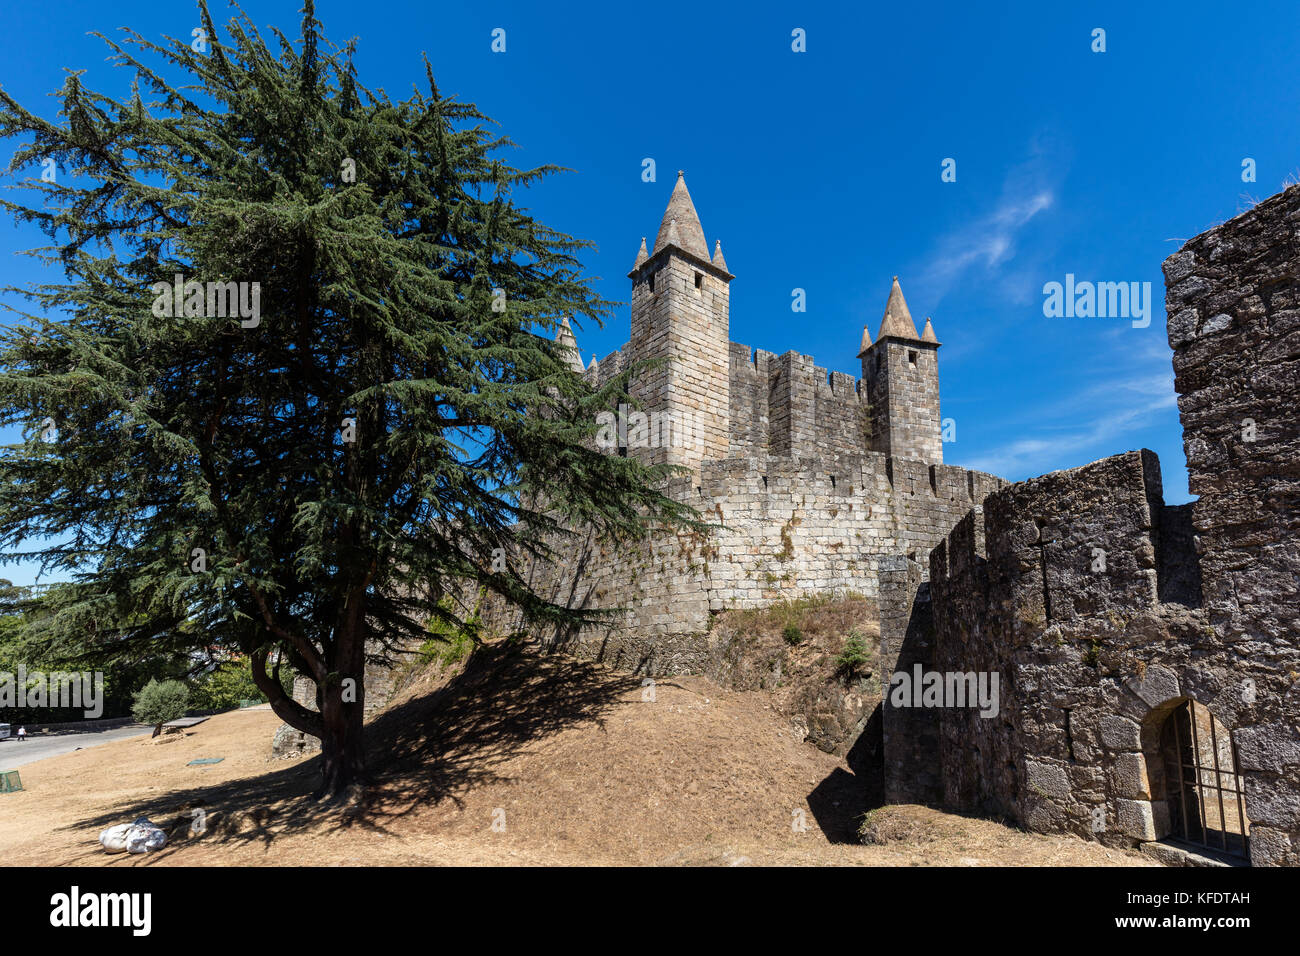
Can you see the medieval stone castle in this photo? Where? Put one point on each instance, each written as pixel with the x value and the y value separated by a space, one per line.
pixel 1149 655
pixel 811 477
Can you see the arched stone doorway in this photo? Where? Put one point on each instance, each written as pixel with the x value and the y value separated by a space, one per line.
pixel 1201 778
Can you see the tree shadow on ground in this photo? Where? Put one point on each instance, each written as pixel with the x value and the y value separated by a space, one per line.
pixel 429 748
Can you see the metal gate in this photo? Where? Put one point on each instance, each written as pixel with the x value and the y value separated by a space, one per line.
pixel 1207 804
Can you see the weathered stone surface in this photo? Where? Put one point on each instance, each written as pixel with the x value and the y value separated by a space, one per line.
pixel 1270 804
pixel 1271 747
pixel 1155 686
pixel 1129 777
pixel 1120 733
pixel 1047 779
pixel 289 742
pixel 1104 610
pixel 1272 847
pixel 1177 856
pixel 1135 819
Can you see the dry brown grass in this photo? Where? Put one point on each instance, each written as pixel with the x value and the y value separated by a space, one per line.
pixel 585 770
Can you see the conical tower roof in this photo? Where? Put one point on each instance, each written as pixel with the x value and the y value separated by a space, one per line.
pixel 866 341
pixel 642 256
pixel 718 261
pixel 566 340
pixel 689 233
pixel 671 236
pixel 898 320
pixel 927 334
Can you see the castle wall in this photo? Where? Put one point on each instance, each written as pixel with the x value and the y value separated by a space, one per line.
pixel 749 370
pixel 1233 298
pixel 1063 603
pixel 842 416
pixel 1059 600
pixel 788 406
pixel 785 528
pixel 1078 598
pixel 1103 610
pixel 910 736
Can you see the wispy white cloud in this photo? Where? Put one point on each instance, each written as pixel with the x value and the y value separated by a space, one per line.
pixel 986 244
pixel 1071 445
pixel 1054 437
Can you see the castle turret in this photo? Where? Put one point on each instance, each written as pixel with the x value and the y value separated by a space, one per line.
pixel 718 261
pixel 680 312
pixel 565 339
pixel 928 334
pixel 901 372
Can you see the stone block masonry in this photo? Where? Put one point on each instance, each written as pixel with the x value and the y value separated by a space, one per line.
pixel 1139 643
pixel 811 478
pixel 784 528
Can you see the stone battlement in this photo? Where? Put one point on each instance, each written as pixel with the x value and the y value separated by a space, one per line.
pixel 1140 647
pixel 810 478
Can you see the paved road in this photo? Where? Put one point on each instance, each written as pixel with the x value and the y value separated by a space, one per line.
pixel 39 746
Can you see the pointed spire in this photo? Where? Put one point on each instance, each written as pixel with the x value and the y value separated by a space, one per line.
pixel 718 261
pixel 928 334
pixel 690 235
pixel 565 339
pixel 866 341
pixel 641 257
pixel 594 367
pixel 898 320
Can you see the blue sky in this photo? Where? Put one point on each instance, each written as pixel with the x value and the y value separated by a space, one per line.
pixel 821 170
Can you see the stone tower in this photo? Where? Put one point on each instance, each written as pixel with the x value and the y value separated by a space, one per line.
pixel 901 372
pixel 680 312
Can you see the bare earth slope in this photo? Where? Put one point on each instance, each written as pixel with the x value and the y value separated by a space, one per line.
pixel 518 760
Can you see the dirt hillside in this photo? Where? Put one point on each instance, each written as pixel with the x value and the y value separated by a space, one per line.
pixel 520 759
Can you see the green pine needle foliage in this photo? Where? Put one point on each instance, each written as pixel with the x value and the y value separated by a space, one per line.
pixel 193 472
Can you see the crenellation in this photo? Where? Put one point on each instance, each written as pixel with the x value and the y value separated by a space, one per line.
pixel 1126 633
pixel 1098 615
pixel 812 478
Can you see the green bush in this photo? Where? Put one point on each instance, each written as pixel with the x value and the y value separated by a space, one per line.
pixel 225 686
pixel 792 634
pixel 854 655
pixel 446 650
pixel 156 703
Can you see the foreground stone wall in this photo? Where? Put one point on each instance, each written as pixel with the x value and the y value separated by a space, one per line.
pixel 1104 611
pixel 1064 604
pixel 909 737
pixel 1234 323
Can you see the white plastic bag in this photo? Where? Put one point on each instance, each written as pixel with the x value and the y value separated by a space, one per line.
pixel 114 838
pixel 144 836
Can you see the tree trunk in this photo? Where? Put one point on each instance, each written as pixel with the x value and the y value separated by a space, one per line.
pixel 339 676
pixel 342 710
pixel 342 747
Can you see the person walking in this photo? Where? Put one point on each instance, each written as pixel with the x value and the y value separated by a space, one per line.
pixel 22 734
